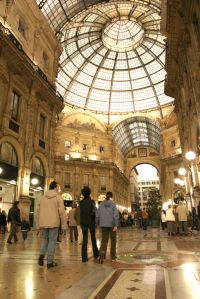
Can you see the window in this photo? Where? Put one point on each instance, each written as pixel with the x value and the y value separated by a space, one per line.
pixel 15 105
pixel 42 126
pixel 67 144
pixel 85 180
pixel 173 143
pixel 85 147
pixel 67 157
pixel 101 149
pixel 8 154
pixel 67 180
pixel 37 166
pixel 103 183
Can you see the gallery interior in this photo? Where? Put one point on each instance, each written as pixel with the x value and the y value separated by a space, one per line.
pixel 89 91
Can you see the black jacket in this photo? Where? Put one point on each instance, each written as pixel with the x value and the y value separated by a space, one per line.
pixel 87 212
pixel 14 215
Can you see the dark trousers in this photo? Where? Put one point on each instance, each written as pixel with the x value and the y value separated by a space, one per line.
pixel 85 229
pixel 106 233
pixel 24 235
pixel 73 231
pixel 13 232
pixel 144 224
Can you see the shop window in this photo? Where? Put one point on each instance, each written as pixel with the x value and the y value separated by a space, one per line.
pixel 8 154
pixel 15 105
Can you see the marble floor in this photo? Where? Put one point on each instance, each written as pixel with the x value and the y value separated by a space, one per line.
pixel 149 265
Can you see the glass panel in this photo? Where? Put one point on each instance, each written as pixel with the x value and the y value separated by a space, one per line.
pixel 113 54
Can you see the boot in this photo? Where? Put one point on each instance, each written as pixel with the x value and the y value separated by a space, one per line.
pixel 41 260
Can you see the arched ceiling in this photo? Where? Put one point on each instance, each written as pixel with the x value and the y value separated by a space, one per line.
pixel 114 55
pixel 135 132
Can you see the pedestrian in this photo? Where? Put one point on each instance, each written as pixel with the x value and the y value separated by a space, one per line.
pixel 25 228
pixel 15 220
pixel 49 215
pixel 163 219
pixel 73 230
pixel 183 213
pixel 87 222
pixel 3 222
pixel 107 217
pixel 145 216
pixel 170 218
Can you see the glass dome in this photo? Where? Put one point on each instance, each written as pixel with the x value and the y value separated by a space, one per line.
pixel 113 54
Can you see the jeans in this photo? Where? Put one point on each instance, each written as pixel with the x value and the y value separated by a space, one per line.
pixel 73 229
pixel 183 228
pixel 106 232
pixel 3 229
pixel 85 229
pixel 49 243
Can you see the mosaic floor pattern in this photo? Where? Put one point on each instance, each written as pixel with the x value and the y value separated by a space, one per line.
pixel 149 265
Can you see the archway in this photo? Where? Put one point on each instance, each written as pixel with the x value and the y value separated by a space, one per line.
pixel 143 178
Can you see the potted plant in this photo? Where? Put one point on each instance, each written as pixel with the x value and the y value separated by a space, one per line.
pixel 154 205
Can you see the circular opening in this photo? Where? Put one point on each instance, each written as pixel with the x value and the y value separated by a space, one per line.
pixel 122 35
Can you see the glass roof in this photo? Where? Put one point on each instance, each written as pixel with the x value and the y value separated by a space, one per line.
pixel 113 54
pixel 135 132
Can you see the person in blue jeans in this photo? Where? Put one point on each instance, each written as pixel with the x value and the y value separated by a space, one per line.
pixel 87 223
pixel 50 214
pixel 107 217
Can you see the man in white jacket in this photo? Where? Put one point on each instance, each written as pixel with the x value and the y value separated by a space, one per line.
pixel 51 213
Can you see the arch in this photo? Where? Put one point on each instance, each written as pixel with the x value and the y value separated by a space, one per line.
pixel 13 142
pixel 44 161
pixel 82 119
pixel 37 166
pixel 144 161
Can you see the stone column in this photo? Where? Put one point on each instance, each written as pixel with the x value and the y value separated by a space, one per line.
pixel 24 198
pixel 24 206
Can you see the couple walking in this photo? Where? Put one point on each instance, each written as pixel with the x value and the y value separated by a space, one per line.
pixel 106 216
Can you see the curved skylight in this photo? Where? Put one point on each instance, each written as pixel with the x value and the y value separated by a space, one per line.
pixel 113 54
pixel 135 132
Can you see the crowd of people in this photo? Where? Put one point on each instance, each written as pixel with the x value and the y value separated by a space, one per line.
pixel 52 221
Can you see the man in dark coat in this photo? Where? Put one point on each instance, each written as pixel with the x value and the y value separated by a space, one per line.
pixel 87 222
pixel 14 219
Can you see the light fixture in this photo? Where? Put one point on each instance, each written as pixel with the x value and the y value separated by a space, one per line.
pixel 34 181
pixel 181 182
pixel 1 170
pixel 176 181
pixel 182 171
pixel 190 155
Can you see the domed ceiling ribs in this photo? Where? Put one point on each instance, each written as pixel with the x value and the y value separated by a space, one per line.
pixel 135 132
pixel 113 57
